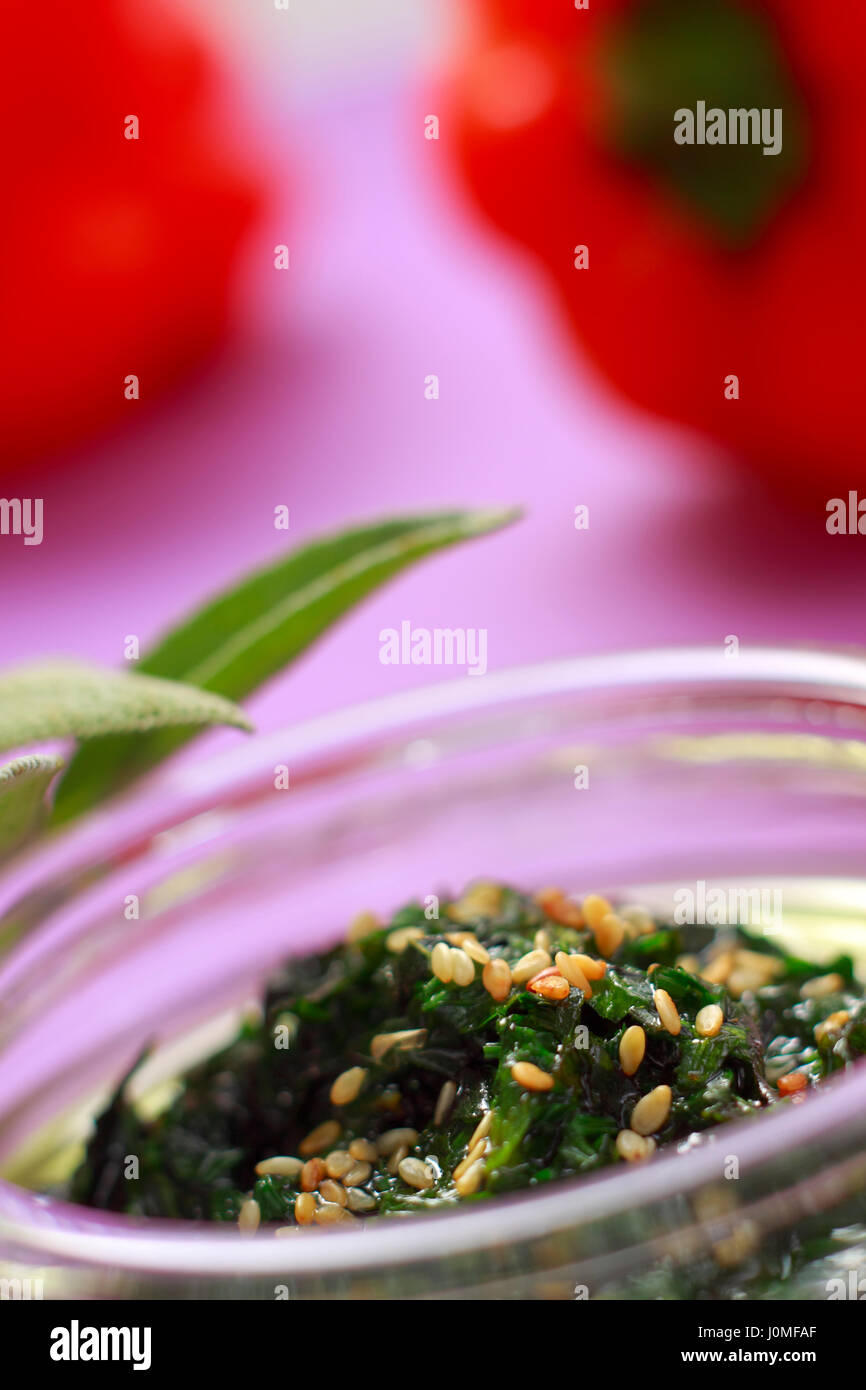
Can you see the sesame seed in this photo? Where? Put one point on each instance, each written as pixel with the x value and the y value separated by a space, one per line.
pixel 444 1102
pixel 397 1158
pixel 393 1138
pixel 480 900
pixel 593 969
pixel 441 963
pixel 634 1147
pixel 652 1110
pixel 719 968
pixel 609 934
pixel 416 1173
pixel 357 1175
pixel 632 1047
pixel 476 1150
pixel 792 1083
pixel 347 1086
pixel 282 1231
pixel 496 979
pixel 708 1021
pixel 305 1206
pixel 462 967
pixel 595 909
pixel 482 1129
pixel 249 1217
pixel 531 1077
pixel 550 985
pixel 667 1012
pixel 356 1200
pixel 281 1166
pixel 402 1040
pixel 338 1162
pixel 324 1136
pixel 832 1025
pixel 529 965
pixel 397 941
pixel 542 940
pixel 312 1174
pixel 333 1192
pixel 572 970
pixel 475 950
pixel 637 919
pixel 328 1213
pixel 363 925
pixel 821 986
pixel 559 908
pixel 470 1181
pixel 363 1151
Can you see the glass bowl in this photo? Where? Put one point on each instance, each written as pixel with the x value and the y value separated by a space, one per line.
pixel 156 920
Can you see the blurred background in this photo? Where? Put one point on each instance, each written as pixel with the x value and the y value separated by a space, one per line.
pixel 411 257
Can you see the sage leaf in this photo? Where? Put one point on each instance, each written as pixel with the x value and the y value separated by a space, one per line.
pixel 245 635
pixel 57 700
pixel 23 784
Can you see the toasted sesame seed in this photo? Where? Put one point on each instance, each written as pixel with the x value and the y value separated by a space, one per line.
pixel 482 1129
pixel 595 909
pixel 397 1158
pixel 550 985
pixel 559 908
pixel 305 1206
pixel 481 899
pixel 416 1173
pixel 652 1110
pixel 529 965
pixel 470 1181
pixel 249 1217
pixel 572 970
pixel 654 965
pixel 393 1138
pixel 324 1136
pixel 347 1086
pixel 397 941
pixel 719 968
pixel 792 1083
pixel 357 1175
pixel 593 969
pixel 632 1046
pixel 821 986
pixel 496 979
pixel 475 1152
pixel 708 1021
pixel 441 963
pixel 444 1102
pixel 328 1213
pixel 358 1200
pixel 402 1040
pixel 689 963
pixel 333 1192
pixel 667 1012
pixel 832 1025
pixel 312 1174
pixel 531 1077
pixel 634 1147
pixel 338 1162
pixel 475 950
pixel 364 924
pixel 363 1151
pixel 281 1166
pixel 609 934
pixel 462 967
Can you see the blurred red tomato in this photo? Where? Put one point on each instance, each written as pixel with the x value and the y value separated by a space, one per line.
pixel 115 253
pixel 704 262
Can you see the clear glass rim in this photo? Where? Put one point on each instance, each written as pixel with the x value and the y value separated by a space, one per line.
pixel 173 1248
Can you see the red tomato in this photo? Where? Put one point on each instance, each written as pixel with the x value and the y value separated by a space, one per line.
pixel 115 253
pixel 703 264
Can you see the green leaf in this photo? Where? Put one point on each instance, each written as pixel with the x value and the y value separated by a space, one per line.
pixel 23 784
pixel 70 700
pixel 247 634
